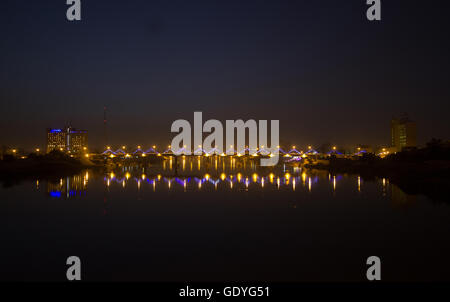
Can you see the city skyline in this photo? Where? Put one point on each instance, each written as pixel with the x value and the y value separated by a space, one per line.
pixel 403 134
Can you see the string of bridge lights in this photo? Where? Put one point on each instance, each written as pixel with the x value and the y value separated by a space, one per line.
pixel 215 151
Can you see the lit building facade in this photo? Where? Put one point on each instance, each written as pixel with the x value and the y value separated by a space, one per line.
pixel 403 133
pixel 68 139
pixel 56 140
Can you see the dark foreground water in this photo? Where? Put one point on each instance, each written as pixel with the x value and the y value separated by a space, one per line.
pixel 233 224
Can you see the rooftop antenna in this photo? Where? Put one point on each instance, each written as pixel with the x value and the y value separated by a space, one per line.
pixel 105 134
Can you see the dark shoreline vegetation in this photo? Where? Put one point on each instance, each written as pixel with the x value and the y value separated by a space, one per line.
pixel 418 171
pixel 50 166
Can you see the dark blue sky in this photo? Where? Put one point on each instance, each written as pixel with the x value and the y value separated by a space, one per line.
pixel 320 67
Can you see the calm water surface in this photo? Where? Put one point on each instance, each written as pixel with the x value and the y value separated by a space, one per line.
pixel 214 220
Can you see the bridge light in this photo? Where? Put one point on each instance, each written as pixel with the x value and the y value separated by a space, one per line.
pixel 123 147
pixel 154 147
pixel 334 147
pixel 255 177
pixel 239 176
pixel 37 150
pixel 293 147
pixel 309 147
pixel 139 147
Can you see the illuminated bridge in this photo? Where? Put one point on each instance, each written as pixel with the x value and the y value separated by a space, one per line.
pixel 140 152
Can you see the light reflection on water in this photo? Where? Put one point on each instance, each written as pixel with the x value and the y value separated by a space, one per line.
pixel 214 174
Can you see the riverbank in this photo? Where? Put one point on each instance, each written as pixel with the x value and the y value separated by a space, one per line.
pixel 16 170
pixel 428 177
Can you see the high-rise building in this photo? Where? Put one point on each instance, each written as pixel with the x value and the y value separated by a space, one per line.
pixel 77 140
pixel 403 133
pixel 67 139
pixel 56 140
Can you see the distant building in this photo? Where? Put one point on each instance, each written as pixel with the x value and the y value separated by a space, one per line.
pixel 56 140
pixel 403 133
pixel 67 139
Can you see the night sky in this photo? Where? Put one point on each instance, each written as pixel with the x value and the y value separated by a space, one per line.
pixel 320 67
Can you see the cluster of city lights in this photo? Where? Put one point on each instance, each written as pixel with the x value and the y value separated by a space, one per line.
pixel 121 152
pixel 231 151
